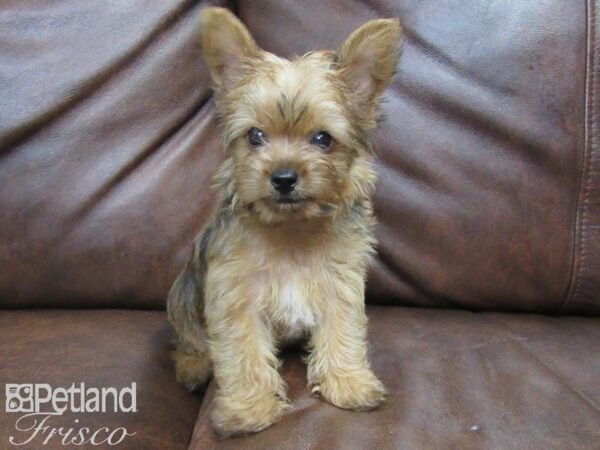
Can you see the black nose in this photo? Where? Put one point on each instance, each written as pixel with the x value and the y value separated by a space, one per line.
pixel 284 180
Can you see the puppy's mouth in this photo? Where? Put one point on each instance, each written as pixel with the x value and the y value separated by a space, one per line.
pixel 288 200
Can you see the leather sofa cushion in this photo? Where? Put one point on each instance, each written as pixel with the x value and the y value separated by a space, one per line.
pixel 102 348
pixel 107 147
pixel 456 380
pixel 108 141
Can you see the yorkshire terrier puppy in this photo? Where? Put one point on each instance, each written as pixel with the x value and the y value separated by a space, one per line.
pixel 285 255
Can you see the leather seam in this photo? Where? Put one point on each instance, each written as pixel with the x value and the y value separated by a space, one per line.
pixel 579 253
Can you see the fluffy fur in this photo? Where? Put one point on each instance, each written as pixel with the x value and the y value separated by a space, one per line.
pixel 263 272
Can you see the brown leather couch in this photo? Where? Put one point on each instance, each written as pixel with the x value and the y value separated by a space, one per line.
pixel 485 296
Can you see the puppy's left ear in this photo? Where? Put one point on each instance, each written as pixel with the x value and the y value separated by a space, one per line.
pixel 367 61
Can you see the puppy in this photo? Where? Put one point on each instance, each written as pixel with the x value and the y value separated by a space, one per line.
pixel 286 252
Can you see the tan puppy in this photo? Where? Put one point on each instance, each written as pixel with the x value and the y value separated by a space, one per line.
pixel 286 253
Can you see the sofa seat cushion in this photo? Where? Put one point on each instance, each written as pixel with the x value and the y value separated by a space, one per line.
pixel 457 380
pixel 101 348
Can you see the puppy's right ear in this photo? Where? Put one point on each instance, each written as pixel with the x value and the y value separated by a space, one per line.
pixel 225 42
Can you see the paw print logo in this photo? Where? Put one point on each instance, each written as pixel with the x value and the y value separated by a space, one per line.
pixel 19 398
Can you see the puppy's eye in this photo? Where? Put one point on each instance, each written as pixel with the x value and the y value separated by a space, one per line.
pixel 322 139
pixel 256 137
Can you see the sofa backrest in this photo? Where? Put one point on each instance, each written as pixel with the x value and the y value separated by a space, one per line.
pixel 488 194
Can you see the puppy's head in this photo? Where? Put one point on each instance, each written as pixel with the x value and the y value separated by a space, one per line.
pixel 297 131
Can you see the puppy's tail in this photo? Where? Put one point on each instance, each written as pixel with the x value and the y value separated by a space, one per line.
pixel 184 307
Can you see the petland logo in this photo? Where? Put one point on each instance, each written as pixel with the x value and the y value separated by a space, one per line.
pixel 40 403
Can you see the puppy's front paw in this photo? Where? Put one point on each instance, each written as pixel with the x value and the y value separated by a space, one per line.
pixel 233 416
pixel 360 392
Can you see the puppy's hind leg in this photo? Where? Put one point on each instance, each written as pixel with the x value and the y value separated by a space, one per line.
pixel 184 306
pixel 193 366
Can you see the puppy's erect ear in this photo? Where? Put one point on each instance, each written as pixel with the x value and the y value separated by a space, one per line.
pixel 225 42
pixel 368 60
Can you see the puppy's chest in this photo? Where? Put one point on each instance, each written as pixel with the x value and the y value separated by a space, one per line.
pixel 285 294
pixel 291 311
pixel 290 283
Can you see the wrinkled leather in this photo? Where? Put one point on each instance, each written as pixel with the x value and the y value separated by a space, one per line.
pixel 102 348
pixel 107 147
pixel 487 195
pixel 456 380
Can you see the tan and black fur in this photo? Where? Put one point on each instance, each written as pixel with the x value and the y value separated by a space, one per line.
pixel 265 272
